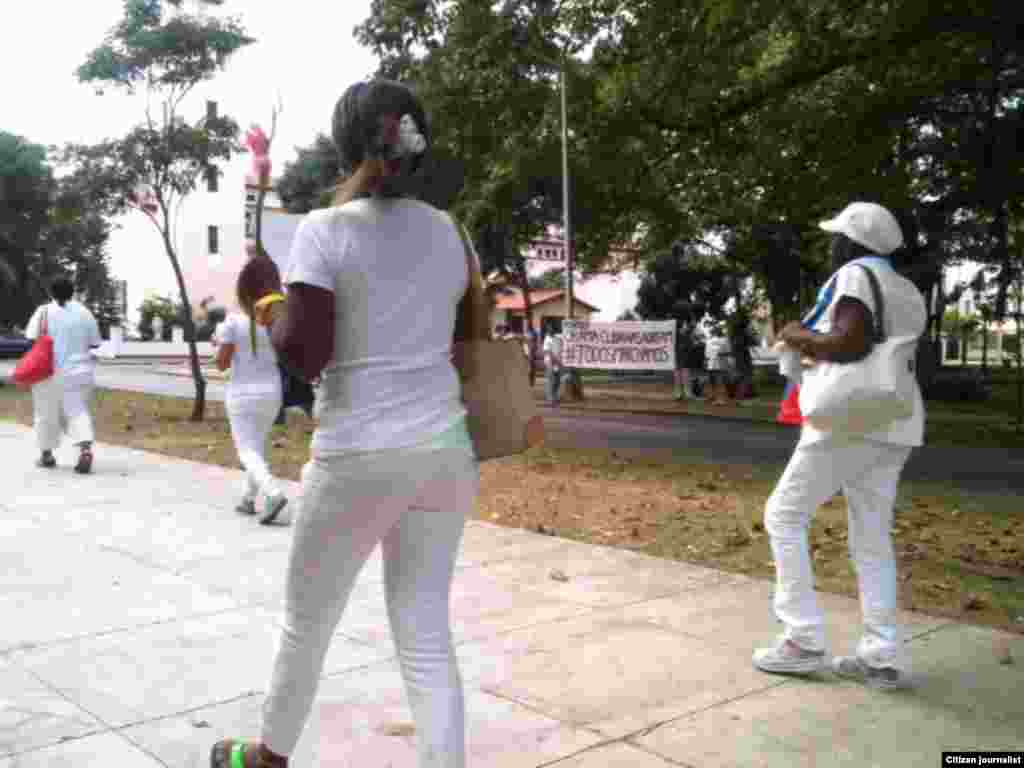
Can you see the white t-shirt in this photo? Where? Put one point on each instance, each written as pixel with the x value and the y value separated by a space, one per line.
pixel 74 332
pixel 397 269
pixel 553 350
pixel 252 376
pixel 905 315
pixel 718 352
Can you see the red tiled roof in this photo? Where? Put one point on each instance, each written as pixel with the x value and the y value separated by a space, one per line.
pixel 513 300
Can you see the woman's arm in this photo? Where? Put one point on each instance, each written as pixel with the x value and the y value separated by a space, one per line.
pixel 224 354
pixel 302 328
pixel 847 342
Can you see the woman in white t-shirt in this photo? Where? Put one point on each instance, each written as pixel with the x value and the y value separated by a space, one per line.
pixel 865 467
pixel 253 402
pixel 61 402
pixel 373 289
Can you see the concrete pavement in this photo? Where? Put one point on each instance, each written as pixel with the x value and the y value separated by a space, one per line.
pixel 141 613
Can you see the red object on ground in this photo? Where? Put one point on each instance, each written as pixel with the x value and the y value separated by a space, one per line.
pixel 789 409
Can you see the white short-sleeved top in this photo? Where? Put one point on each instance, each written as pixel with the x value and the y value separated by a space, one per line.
pixel 252 376
pixel 718 352
pixel 73 329
pixel 397 269
pixel 905 315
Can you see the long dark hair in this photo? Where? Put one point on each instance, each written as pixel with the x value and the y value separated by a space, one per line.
pixel 257 278
pixel 355 128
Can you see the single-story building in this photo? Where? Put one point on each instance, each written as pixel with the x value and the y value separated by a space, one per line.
pixel 548 310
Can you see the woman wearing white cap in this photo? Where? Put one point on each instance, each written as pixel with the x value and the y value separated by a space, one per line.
pixel 866 467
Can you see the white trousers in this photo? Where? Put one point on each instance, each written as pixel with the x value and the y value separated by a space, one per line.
pixel 414 503
pixel 61 404
pixel 868 474
pixel 252 419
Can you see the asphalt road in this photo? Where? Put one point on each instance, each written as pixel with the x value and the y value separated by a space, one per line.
pixel 714 439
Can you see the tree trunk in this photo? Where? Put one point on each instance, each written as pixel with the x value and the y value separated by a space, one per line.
pixel 199 405
pixel 524 286
pixel 984 346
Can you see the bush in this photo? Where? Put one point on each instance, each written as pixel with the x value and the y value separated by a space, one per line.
pixel 964 385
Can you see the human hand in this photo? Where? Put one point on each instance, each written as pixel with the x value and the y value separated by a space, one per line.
pixel 792 333
pixel 265 312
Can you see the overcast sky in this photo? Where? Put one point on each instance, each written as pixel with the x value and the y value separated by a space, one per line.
pixel 304 51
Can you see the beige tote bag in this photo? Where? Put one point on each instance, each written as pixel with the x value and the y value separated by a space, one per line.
pixel 501 412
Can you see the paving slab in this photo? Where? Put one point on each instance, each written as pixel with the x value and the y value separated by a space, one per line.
pixel 362 715
pixel 33 714
pixel 611 675
pixel 737 611
pixel 100 751
pixel 63 587
pixel 129 677
pixel 148 611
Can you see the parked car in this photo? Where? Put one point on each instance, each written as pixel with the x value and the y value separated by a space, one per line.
pixel 13 345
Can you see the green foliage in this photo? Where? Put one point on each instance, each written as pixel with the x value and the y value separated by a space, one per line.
pixel 168 53
pixel 164 307
pixel 552 279
pixel 51 226
pixel 163 51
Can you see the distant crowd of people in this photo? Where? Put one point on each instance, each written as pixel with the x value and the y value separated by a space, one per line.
pixel 369 308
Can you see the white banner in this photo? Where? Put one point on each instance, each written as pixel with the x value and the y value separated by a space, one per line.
pixel 622 346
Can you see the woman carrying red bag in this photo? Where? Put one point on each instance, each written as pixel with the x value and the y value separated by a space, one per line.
pixel 61 402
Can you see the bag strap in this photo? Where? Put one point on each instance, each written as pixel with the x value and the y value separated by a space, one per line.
pixel 471 321
pixel 44 326
pixel 876 290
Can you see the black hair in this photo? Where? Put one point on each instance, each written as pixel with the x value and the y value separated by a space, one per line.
pixel 62 289
pixel 355 123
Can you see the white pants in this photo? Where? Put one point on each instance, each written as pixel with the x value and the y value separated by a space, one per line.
pixel 868 473
pixel 251 420
pixel 415 504
pixel 61 404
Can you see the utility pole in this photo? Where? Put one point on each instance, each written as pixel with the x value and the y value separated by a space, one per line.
pixel 575 385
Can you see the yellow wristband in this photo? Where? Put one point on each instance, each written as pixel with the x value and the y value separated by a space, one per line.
pixel 269 299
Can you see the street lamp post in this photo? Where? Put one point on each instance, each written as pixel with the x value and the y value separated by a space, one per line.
pixel 574 384
pixel 566 214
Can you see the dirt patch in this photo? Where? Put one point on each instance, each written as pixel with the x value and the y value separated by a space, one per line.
pixel 961 556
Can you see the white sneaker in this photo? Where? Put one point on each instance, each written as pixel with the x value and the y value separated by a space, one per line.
pixel 788 658
pixel 884 678
pixel 272 508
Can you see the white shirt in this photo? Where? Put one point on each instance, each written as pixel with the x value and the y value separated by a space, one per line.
pixel 553 350
pixel 252 376
pixel 905 315
pixel 74 332
pixel 718 352
pixel 397 269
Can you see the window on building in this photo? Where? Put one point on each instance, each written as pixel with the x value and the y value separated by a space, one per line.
pixel 213 239
pixel 211 110
pixel 212 180
pixel 250 224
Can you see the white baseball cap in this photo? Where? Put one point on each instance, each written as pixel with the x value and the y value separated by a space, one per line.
pixel 869 224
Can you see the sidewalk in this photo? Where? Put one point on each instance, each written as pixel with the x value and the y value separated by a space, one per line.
pixel 141 616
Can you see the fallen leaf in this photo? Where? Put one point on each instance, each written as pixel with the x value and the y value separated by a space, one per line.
pixel 397 729
pixel 557 575
pixel 1002 652
pixel 200 724
pixel 974 603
